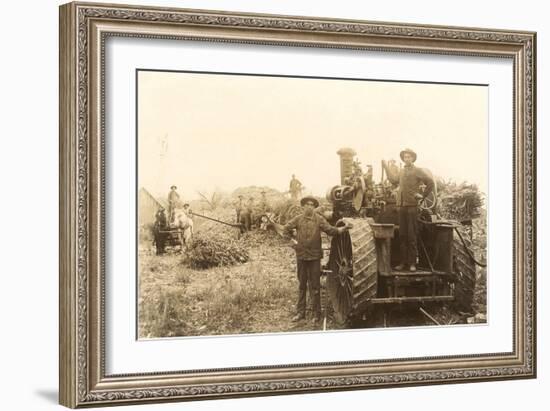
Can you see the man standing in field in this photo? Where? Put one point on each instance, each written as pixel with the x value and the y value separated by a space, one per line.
pixel 160 225
pixel 247 214
pixel 187 210
pixel 295 188
pixel 409 179
pixel 308 228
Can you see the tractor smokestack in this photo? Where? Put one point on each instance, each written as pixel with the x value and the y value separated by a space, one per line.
pixel 346 163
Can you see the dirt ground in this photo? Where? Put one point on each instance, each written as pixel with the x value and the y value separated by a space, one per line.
pixel 258 296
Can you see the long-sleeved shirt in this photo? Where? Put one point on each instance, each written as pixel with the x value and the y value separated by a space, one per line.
pixel 308 235
pixel 295 184
pixel 160 220
pixel 173 197
pixel 409 180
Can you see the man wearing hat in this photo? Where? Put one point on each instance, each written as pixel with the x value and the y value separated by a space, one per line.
pixel 308 228
pixel 409 179
pixel 187 210
pixel 160 225
pixel 173 202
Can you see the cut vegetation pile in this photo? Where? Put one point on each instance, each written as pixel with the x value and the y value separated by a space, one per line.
pixel 271 194
pixel 207 251
pixel 285 210
pixel 460 202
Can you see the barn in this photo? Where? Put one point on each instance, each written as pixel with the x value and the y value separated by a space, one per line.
pixel 147 207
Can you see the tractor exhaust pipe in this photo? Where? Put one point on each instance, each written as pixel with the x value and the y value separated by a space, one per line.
pixel 346 163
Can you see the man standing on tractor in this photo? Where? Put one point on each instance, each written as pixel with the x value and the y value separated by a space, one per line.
pixel 409 179
pixel 295 188
pixel 173 202
pixel 308 228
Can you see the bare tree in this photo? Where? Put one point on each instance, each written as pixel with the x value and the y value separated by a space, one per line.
pixel 213 201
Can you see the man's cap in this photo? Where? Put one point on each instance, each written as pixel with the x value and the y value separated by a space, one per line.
pixel 173 187
pixel 305 199
pixel 407 150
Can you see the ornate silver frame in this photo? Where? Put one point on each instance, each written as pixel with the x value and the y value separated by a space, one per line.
pixel 83 30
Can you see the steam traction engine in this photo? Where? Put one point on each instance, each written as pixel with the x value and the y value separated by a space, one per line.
pixel 360 261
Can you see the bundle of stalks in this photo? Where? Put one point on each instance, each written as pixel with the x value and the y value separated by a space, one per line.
pixel 210 251
pixel 461 202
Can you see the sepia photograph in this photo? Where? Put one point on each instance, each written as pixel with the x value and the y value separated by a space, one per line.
pixel 270 204
pixel 278 204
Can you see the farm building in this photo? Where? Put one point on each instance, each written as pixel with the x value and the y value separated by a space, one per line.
pixel 148 206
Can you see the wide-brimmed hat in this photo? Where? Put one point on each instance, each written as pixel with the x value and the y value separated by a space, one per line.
pixel 309 198
pixel 173 187
pixel 407 150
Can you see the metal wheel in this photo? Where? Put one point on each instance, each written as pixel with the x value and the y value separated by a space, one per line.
pixel 429 202
pixel 292 211
pixel 352 260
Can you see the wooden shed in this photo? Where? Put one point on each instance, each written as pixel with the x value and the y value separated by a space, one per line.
pixel 147 207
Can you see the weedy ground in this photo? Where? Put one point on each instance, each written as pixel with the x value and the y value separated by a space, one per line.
pixel 257 296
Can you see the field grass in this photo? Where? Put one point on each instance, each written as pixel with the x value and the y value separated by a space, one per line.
pixel 254 297
pixel 257 296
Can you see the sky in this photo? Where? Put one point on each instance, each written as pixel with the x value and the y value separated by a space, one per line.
pixel 206 132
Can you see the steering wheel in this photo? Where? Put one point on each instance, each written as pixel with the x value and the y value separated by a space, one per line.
pixel 428 203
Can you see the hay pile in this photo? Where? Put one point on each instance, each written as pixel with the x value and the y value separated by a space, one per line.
pixel 460 202
pixel 284 211
pixel 256 192
pixel 211 251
